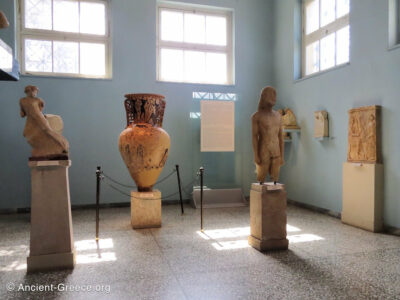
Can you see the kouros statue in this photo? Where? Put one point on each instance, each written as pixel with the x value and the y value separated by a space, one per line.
pixel 267 137
pixel 43 132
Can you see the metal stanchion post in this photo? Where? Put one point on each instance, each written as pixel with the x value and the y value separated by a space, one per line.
pixel 98 178
pixel 201 198
pixel 179 186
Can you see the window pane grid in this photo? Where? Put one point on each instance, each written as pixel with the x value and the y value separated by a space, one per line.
pixel 191 43
pixel 326 34
pixel 64 57
pixel 76 35
pixel 179 65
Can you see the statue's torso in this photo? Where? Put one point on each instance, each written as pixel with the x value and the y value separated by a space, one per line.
pixel 33 110
pixel 269 125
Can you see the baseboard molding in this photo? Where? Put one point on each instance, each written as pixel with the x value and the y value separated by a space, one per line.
pixel 324 211
pixel 391 230
pixel 89 206
pixel 386 229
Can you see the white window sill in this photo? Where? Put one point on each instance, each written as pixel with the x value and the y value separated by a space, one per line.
pixel 196 83
pixel 322 72
pixel 28 75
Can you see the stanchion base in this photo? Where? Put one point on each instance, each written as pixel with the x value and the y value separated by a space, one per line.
pixel 145 209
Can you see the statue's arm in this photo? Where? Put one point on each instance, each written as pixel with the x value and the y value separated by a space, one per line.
pixel 281 144
pixel 21 111
pixel 254 129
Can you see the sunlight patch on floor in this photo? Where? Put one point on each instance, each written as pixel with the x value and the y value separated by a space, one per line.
pixel 234 232
pixel 301 238
pixel 92 245
pixel 86 255
pixel 218 236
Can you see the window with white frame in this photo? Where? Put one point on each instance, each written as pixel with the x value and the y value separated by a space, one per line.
pixel 326 34
pixel 65 38
pixel 194 44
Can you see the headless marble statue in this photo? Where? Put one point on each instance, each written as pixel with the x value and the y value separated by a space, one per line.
pixel 43 132
pixel 267 137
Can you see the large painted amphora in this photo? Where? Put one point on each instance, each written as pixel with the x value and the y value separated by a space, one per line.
pixel 144 145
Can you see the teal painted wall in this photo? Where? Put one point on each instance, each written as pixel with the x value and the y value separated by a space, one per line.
pixel 93 111
pixel 313 172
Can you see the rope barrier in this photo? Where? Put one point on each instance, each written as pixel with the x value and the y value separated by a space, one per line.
pixel 166 177
pixel 121 184
pixel 100 175
pixel 165 197
pixel 134 186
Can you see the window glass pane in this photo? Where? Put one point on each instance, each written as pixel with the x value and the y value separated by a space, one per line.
pixel 327 12
pixel 38 57
pixel 312 16
pixel 6 58
pixel 217 68
pixel 38 14
pixel 66 15
pixel 216 30
pixel 312 58
pixel 171 65
pixel 328 52
pixel 343 45
pixel 66 57
pixel 93 18
pixel 93 59
pixel 195 66
pixel 171 26
pixel 343 8
pixel 195 28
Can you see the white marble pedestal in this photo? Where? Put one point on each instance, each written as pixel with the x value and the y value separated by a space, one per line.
pixel 51 241
pixel 145 209
pixel 363 195
pixel 268 217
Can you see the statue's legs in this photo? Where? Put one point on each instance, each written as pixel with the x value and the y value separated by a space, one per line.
pixel 263 169
pixel 275 166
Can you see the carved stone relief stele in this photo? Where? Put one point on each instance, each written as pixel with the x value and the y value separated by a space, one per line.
pixel 321 124
pixel 364 136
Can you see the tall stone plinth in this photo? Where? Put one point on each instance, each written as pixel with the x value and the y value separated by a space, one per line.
pixel 51 241
pixel 145 209
pixel 363 195
pixel 268 217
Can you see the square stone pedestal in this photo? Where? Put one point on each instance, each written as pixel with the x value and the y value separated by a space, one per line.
pixel 268 217
pixel 51 242
pixel 145 209
pixel 363 195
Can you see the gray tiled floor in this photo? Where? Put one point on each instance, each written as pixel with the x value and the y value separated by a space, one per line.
pixel 326 259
